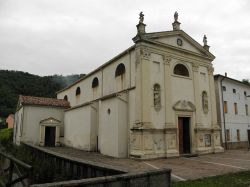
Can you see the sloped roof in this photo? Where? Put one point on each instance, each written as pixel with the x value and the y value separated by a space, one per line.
pixel 150 37
pixel 43 101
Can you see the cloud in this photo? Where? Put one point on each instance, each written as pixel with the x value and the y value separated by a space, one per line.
pixel 46 37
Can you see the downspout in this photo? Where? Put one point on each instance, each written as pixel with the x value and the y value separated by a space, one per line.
pixel 223 112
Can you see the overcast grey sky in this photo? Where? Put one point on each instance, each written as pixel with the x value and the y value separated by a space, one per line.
pixel 48 37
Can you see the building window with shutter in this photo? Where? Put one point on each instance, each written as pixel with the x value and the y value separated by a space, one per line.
pixel 238 134
pixel 225 106
pixel 235 109
pixel 228 135
pixel 246 107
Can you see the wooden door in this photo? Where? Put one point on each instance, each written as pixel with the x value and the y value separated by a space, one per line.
pixel 180 128
pixel 184 135
pixel 50 135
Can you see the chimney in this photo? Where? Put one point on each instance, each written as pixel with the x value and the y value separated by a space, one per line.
pixel 225 74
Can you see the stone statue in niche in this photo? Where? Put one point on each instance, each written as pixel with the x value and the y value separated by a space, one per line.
pixel 205 102
pixel 157 97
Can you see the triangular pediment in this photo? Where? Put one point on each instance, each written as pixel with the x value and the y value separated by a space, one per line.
pixel 183 105
pixel 178 40
pixel 50 120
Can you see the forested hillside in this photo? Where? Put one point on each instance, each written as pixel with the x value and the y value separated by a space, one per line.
pixel 14 83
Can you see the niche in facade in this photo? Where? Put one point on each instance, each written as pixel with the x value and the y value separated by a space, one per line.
pixel 205 102
pixel 157 97
pixel 182 70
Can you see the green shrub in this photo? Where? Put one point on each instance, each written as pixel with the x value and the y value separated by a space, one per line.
pixel 6 136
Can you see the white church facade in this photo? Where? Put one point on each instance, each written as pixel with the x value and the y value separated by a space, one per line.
pixel 155 99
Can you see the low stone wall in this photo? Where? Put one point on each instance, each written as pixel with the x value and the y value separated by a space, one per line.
pixel 237 145
pixel 92 174
pixel 156 178
pixel 72 168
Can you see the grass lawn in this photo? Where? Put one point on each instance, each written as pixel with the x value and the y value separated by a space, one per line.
pixel 239 179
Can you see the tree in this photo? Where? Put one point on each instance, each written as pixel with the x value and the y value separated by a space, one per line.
pixel 15 83
pixel 246 81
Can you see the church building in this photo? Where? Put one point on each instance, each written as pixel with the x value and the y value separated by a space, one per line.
pixel 155 99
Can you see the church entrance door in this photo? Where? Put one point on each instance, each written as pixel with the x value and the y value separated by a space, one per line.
pixel 184 135
pixel 50 135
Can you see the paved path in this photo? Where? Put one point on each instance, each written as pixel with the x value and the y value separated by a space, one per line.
pixel 182 168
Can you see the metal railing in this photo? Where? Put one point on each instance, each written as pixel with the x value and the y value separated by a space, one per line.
pixel 13 171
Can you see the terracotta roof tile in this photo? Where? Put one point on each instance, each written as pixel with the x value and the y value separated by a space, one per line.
pixel 44 101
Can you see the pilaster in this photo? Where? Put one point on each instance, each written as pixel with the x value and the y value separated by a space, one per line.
pixel 145 86
pixel 214 124
pixel 197 95
pixel 171 130
pixel 198 105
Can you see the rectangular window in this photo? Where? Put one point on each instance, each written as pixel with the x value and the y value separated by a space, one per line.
pixel 224 88
pixel 235 108
pixel 228 135
pixel 246 107
pixel 234 90
pixel 225 106
pixel 238 134
pixel 245 93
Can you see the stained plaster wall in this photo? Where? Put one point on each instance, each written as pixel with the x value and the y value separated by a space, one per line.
pixel 78 124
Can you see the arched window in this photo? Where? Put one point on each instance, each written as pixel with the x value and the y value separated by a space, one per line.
pixel 78 91
pixel 157 97
pixel 204 102
pixel 180 69
pixel 120 70
pixel 95 82
pixel 65 98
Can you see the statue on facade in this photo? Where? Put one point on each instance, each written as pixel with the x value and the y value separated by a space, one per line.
pixel 205 40
pixel 141 18
pixel 176 16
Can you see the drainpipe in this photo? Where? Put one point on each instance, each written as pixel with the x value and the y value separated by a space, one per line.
pixel 223 112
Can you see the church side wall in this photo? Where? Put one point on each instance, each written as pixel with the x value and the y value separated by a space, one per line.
pixel 108 83
pixel 108 127
pixel 77 128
